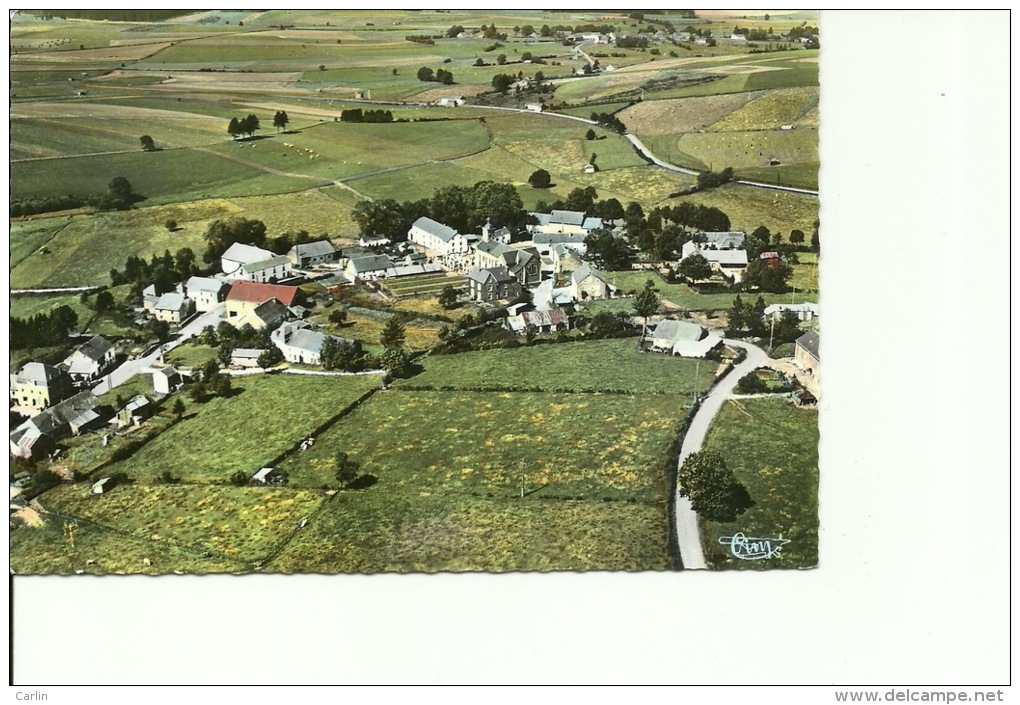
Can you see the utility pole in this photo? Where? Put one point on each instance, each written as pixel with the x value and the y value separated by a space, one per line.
pixel 694 396
pixel 772 331
pixel 522 480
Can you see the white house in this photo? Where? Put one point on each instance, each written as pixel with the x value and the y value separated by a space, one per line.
pixel 439 240
pixel 300 344
pixel 368 267
pixel 587 283
pixel 805 311
pixel 90 360
pixel 535 107
pixel 240 254
pixel 166 380
pixel 266 271
pixel 206 292
pixel 453 101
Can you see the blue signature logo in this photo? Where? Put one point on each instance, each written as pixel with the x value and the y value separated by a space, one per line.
pixel 748 548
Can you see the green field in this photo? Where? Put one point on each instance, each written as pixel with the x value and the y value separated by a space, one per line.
pixel 82 250
pixel 588 366
pixel 97 550
pixel 687 298
pixel 270 415
pixel 229 523
pixel 772 448
pixel 161 177
pixel 374 531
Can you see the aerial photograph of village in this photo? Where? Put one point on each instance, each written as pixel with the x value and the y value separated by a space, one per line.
pixel 413 291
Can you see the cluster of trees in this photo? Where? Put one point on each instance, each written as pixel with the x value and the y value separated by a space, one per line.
pixel 226 338
pixel 756 35
pixel 465 208
pixel 162 271
pixel 750 320
pixel 440 75
pixel 43 329
pixel 491 32
pixel 148 144
pixel 359 115
pixel 609 121
pixel 714 491
pixel 502 81
pixel 420 39
pixel 221 234
pixel 711 179
pixel 280 120
pixel 119 196
pixel 632 42
pixel 454 31
pixel 210 382
pixel 245 126
pixel 609 252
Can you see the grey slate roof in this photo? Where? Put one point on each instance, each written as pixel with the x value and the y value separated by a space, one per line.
pixel 809 341
pixel 499 274
pixel 725 240
pixel 171 301
pixel 559 238
pixel 566 218
pixel 583 272
pixel 247 353
pixel 266 263
pixel 38 372
pixel 313 249
pixel 65 412
pixel 669 329
pixel 370 263
pixel 204 284
pixel 443 232
pixel 96 348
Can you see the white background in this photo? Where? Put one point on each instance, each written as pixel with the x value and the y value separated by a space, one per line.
pixel 913 585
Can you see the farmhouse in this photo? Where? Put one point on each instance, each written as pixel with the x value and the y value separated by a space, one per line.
pixel 731 262
pixel 368 267
pixel 39 434
pixel 150 298
pixel 563 259
pixel 534 107
pixel 206 292
pixel 438 240
pixel 166 380
pixel 267 315
pixel 587 283
pixel 452 101
pixel 245 297
pixel 173 307
pixel 312 253
pixel 90 360
pixel 492 284
pixel 806 356
pixel 545 242
pixel 683 338
pixel 300 344
pixel 238 255
pixel 37 386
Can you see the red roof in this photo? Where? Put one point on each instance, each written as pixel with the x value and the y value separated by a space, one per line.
pixel 260 293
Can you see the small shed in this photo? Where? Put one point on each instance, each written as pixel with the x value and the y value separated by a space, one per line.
pixel 102 486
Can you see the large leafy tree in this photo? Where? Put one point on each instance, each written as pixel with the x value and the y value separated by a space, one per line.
pixel 695 268
pixel 773 278
pixel 608 251
pixel 714 491
pixel 540 179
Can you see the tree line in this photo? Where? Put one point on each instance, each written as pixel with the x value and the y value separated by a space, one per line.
pixel 119 196
pixel 439 75
pixel 464 208
pixel 359 115
pixel 43 329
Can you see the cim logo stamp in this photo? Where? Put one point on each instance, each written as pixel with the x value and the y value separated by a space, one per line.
pixel 748 548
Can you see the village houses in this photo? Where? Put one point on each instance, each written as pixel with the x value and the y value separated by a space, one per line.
pixel 309 254
pixel 255 264
pixel 440 241
pixel 259 305
pixel 492 284
pixel 206 292
pixel 90 360
pixel 37 385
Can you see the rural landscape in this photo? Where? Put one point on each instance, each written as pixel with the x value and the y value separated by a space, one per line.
pixel 413 291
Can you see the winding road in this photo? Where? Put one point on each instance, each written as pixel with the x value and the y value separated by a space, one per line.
pixel 687 533
pixel 143 364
